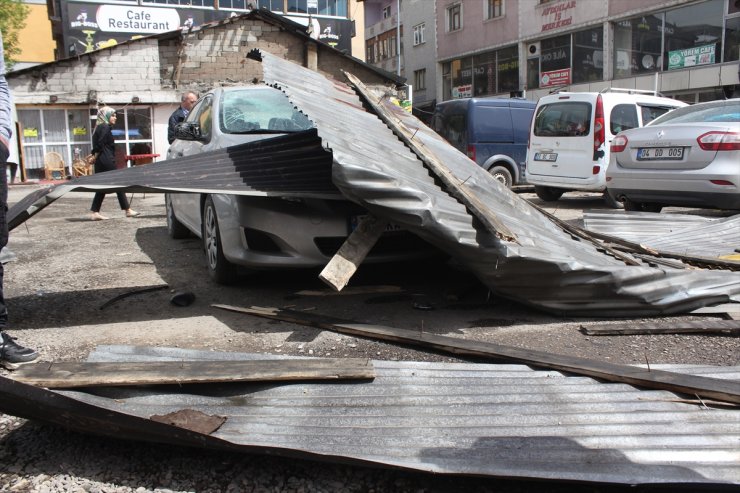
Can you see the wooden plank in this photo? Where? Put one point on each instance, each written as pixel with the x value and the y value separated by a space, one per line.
pixel 353 251
pixel 678 327
pixel 455 186
pixel 72 374
pixel 721 390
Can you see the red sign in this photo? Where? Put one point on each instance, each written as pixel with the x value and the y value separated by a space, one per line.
pixel 555 78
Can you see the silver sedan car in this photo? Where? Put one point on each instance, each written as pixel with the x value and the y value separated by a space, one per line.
pixel 253 232
pixel 689 157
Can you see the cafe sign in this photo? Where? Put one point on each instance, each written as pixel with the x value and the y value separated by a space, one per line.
pixel 555 78
pixel 690 57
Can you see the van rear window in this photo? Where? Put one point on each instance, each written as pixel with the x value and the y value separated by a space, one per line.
pixel 566 119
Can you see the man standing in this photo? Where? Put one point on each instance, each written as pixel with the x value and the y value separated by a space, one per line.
pixel 10 352
pixel 187 101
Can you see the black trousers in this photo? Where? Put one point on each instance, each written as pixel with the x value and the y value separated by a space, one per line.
pixel 98 201
pixel 4 153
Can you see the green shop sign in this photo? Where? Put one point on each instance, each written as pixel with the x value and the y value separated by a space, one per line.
pixel 700 55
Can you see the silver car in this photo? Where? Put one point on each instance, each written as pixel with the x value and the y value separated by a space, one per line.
pixel 689 157
pixel 262 232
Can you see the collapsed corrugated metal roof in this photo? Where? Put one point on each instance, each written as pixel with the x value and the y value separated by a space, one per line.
pixel 675 233
pixel 450 418
pixel 544 266
pixel 512 247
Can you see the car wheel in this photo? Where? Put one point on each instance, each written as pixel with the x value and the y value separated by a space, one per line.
pixel 548 194
pixel 502 175
pixel 221 270
pixel 610 202
pixel 630 205
pixel 175 228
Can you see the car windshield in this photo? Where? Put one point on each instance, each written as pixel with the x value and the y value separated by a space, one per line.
pixel 566 119
pixel 718 111
pixel 260 110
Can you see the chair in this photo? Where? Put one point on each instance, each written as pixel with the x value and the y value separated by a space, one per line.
pixel 81 168
pixel 54 167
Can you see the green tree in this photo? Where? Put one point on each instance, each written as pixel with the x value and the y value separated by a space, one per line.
pixel 13 15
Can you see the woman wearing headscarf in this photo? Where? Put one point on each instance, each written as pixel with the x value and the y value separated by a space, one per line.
pixel 103 146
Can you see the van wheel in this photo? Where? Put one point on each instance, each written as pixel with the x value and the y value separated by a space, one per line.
pixel 221 270
pixel 610 202
pixel 548 194
pixel 501 175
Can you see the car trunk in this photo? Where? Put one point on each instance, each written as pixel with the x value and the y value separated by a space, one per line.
pixel 673 147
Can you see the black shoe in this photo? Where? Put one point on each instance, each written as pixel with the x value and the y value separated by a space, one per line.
pixel 15 353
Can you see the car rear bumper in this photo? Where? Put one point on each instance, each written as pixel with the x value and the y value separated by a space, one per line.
pixel 677 193
pixel 594 183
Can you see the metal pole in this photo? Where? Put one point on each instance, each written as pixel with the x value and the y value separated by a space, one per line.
pixel 398 35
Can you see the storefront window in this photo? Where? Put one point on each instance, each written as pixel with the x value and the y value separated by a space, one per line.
pixel 693 35
pixel 588 55
pixel 732 39
pixel 484 74
pixel 637 45
pixel 133 134
pixel 323 7
pixel 507 64
pixel 555 61
pixel 66 131
pixel 462 79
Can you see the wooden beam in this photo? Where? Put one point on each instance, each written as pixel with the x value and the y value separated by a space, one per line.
pixel 60 375
pixel 675 327
pixel 455 186
pixel 721 390
pixel 353 251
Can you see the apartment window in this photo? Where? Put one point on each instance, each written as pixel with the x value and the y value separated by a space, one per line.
pixel 420 79
pixel 454 17
pixel 386 11
pixel 495 9
pixel 419 34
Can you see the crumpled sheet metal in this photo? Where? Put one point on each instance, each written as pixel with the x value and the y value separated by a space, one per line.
pixel 447 418
pixel 544 267
pixel 679 234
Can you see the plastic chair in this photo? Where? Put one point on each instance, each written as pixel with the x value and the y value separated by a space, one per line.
pixel 54 167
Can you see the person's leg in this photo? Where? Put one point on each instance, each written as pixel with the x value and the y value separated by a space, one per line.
pixel 9 350
pixel 125 206
pixel 96 205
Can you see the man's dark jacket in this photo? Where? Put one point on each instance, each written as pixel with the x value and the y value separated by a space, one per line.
pixel 176 117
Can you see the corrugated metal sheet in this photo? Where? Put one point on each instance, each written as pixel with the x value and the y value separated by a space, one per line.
pixel 545 267
pixel 542 266
pixel 680 234
pixel 480 419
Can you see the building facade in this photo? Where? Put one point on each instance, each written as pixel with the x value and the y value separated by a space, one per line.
pixel 687 49
pixel 143 78
pixel 404 42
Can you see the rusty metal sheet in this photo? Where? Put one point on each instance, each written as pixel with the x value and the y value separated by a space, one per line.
pixel 447 418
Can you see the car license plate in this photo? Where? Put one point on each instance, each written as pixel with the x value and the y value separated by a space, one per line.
pixel 355 220
pixel 545 156
pixel 659 153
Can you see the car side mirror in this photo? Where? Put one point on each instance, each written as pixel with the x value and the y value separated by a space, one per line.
pixel 187 131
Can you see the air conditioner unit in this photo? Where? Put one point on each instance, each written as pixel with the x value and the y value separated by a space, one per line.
pixel 533 49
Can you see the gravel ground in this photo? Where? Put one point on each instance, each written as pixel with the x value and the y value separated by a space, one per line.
pixel 67 267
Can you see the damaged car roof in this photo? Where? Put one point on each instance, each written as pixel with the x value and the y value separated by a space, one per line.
pixel 387 161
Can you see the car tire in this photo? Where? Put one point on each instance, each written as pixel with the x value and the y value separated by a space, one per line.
pixel 219 269
pixel 548 194
pixel 630 205
pixel 175 229
pixel 610 202
pixel 502 175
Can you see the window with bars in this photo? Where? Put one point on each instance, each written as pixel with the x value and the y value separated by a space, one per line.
pixel 495 8
pixel 419 34
pixel 420 79
pixel 454 17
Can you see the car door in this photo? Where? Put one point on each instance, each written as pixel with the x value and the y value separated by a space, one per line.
pixel 561 143
pixel 187 205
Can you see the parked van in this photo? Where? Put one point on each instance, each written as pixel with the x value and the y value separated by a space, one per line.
pixel 493 132
pixel 571 132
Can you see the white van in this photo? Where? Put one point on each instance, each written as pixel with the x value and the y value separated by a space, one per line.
pixel 570 135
